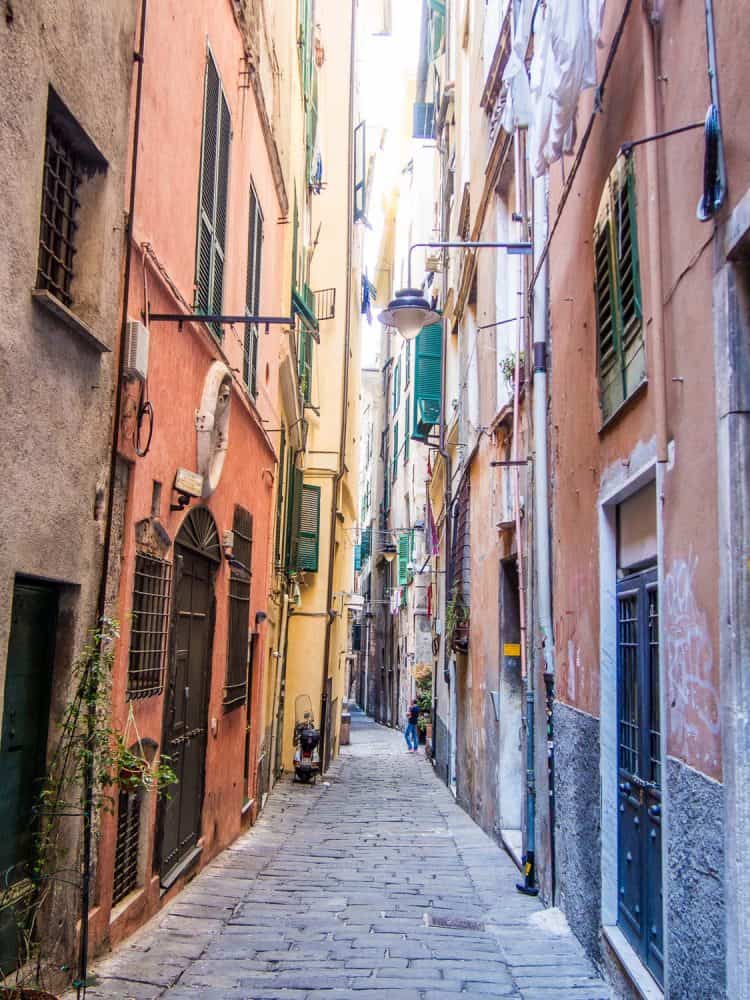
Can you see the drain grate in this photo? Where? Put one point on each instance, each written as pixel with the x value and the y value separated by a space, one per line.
pixel 455 923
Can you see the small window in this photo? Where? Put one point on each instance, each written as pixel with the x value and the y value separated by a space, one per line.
pixel 69 157
pixel 149 626
pixel 235 688
pixel 127 843
pixel 252 293
pixel 619 314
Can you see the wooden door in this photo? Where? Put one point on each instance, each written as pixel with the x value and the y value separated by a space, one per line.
pixel 639 769
pixel 23 744
pixel 187 706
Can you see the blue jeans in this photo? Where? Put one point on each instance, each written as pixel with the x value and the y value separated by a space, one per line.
pixel 410 735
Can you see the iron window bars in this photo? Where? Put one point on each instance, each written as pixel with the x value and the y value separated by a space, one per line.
pixel 126 845
pixel 149 628
pixel 62 178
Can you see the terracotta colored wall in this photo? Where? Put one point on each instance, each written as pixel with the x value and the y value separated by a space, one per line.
pixel 165 217
pixel 585 454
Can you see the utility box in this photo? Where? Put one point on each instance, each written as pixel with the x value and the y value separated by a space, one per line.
pixel 345 733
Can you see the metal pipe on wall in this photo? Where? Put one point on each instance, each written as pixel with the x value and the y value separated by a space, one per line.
pixel 345 383
pixel 528 886
pixel 650 20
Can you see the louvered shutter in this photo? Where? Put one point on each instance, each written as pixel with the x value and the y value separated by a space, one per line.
pixel 403 559
pixel 366 543
pixel 309 529
pixel 358 557
pixel 427 379
pixel 280 496
pixel 394 470
pixel 212 202
pixel 293 508
pixel 235 688
pixel 252 293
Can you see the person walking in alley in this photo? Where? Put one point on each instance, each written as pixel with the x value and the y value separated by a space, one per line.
pixel 410 733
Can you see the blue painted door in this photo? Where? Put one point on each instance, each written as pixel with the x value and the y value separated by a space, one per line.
pixel 639 769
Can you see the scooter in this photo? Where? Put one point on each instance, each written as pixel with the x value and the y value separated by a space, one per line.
pixel 306 741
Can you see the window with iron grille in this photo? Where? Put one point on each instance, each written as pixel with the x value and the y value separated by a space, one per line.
pixel 127 843
pixel 149 626
pixel 619 315
pixel 235 688
pixel 252 293
pixel 212 202
pixel 69 157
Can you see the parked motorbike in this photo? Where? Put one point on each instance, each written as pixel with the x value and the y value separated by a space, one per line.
pixel 306 741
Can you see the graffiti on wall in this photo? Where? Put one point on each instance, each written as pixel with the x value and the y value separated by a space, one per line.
pixel 694 729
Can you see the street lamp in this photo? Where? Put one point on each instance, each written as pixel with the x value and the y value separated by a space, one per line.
pixel 410 311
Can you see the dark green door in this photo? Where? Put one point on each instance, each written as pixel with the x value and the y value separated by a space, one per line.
pixel 639 771
pixel 23 744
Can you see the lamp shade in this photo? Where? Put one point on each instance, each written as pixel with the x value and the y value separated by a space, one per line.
pixel 408 313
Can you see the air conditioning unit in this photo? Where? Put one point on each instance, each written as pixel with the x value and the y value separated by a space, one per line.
pixel 136 350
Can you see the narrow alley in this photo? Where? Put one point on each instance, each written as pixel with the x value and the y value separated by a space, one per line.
pixel 371 883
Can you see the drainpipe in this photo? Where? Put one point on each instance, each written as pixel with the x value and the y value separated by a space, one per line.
pixel 345 383
pixel 543 575
pixel 650 22
pixel 528 886
pixel 88 808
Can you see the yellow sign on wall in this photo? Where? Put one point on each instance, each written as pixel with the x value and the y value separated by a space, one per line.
pixel 512 649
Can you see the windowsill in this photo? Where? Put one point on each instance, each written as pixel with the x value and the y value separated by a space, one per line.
pixel 644 983
pixel 181 868
pixel 624 407
pixel 51 304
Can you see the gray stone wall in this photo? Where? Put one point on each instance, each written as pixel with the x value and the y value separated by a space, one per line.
pixel 442 748
pixel 578 823
pixel 694 884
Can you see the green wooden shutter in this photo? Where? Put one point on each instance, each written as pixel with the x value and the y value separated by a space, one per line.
pixel 309 529
pixel 293 509
pixel 358 557
pixel 213 197
pixel 403 559
pixel 280 496
pixel 252 293
pixel 366 543
pixel 394 471
pixel 427 379
pixel 406 430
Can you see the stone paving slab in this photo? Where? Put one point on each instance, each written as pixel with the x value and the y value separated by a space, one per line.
pixel 342 890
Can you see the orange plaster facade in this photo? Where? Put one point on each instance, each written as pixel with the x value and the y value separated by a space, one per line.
pixel 162 280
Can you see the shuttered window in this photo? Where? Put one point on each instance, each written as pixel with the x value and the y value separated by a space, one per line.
pixel 394 467
pixel 366 542
pixel 309 529
pixel 252 293
pixel 212 203
pixel 461 564
pixel 357 557
pixel 407 364
pixel 293 509
pixel 427 379
pixel 404 552
pixel 235 688
pixel 619 314
pixel 360 173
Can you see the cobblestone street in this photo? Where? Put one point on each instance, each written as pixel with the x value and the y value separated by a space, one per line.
pixel 373 883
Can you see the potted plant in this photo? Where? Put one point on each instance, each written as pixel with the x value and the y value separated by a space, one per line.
pixel 457 623
pixel 89 758
pixel 508 369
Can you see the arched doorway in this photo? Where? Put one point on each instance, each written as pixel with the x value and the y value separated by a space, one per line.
pixel 197 554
